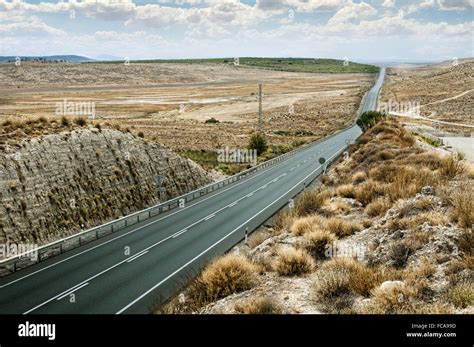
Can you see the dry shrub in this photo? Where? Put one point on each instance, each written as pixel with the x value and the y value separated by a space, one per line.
pixel 361 279
pixel 463 203
pixel 450 167
pixel 466 242
pixel 461 295
pixel 341 227
pixel 332 288
pixel 303 225
pixel 283 220
pixel 424 204
pixel 81 121
pixel 315 242
pixel 399 253
pixel 310 202
pixel 378 207
pixel 397 300
pixel 264 305
pixel 224 276
pixel 341 207
pixel 293 262
pixel 359 177
pixel 418 239
pixel 383 173
pixel 413 222
pixel 346 191
pixel 408 181
pixel 469 170
pixel 368 191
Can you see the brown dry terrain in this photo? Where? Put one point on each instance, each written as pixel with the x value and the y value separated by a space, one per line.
pixel 445 91
pixel 388 231
pixel 171 102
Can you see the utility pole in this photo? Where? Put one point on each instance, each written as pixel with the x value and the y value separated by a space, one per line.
pixel 260 111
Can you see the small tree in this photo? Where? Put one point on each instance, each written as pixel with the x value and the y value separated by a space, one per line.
pixel 369 118
pixel 259 143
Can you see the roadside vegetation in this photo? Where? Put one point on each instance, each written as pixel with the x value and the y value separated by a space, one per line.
pixel 388 232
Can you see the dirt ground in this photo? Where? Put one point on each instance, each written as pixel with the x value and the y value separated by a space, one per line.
pixel 444 92
pixel 171 103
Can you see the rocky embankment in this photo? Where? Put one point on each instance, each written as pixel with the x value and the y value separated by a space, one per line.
pixel 80 176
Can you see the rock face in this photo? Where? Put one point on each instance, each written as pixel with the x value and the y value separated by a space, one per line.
pixel 51 185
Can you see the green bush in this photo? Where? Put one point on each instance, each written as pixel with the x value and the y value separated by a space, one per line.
pixel 259 143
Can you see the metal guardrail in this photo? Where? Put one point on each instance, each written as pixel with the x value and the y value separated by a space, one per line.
pixel 20 261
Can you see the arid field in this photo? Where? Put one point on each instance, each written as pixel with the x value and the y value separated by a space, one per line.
pixel 444 92
pixel 170 103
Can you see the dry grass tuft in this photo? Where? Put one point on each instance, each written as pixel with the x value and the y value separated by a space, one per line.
pixel 463 203
pixel 450 167
pixel 304 225
pixel 399 253
pixel 378 207
pixel 224 276
pixel 310 202
pixel 368 191
pixel 359 177
pixel 461 295
pixel 315 242
pixel 341 227
pixel 293 262
pixel 346 191
pixel 398 300
pixel 360 278
pixel 264 305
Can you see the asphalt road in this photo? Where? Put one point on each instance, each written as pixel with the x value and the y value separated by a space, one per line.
pixel 133 270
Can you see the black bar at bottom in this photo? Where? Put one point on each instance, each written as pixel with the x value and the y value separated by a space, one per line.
pixel 364 330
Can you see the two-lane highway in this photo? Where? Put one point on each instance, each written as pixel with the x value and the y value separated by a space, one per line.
pixel 128 271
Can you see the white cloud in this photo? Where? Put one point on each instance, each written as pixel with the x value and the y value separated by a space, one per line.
pixel 388 3
pixel 458 5
pixel 352 13
pixel 300 5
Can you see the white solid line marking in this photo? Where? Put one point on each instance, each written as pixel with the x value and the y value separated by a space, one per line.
pixel 72 291
pixel 212 246
pixel 233 204
pixel 136 256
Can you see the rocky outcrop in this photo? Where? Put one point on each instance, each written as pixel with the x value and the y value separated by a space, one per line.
pixel 52 185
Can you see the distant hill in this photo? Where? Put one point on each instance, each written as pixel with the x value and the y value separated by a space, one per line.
pixel 68 58
pixel 315 65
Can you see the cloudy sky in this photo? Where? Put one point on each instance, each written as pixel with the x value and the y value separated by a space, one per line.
pixel 376 30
